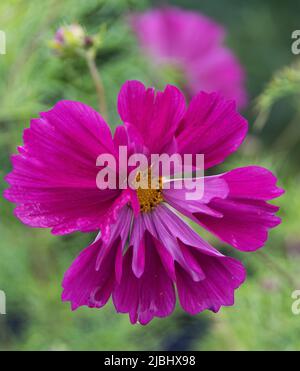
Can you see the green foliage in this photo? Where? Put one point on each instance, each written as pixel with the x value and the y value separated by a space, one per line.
pixel 285 83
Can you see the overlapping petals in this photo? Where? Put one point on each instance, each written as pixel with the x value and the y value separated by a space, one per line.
pixel 234 206
pixel 142 259
pixel 211 126
pixel 53 181
pixel 163 253
pixel 155 115
pixel 91 278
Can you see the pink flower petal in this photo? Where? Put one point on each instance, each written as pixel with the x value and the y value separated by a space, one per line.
pixel 213 187
pixel 92 277
pixel 222 276
pixel 84 285
pixel 152 295
pixel 212 127
pixel 53 181
pixel 154 115
pixel 247 217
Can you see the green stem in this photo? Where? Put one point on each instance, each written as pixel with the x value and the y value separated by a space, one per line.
pixel 90 58
pixel 261 121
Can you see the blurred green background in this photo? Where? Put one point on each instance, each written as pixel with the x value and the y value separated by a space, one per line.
pixel 32 262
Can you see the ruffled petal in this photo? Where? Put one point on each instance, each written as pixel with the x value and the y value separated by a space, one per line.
pixel 93 275
pixel 151 295
pixel 246 216
pixel 84 285
pixel 155 115
pixel 126 294
pixel 211 127
pixel 53 181
pixel 205 278
pixel 222 276
pixel 209 188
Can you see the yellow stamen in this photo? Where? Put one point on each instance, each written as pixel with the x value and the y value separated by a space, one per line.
pixel 149 197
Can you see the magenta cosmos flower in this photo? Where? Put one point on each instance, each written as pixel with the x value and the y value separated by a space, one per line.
pixel 145 249
pixel 192 43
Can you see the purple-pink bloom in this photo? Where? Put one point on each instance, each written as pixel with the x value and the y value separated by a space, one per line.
pixel 140 257
pixel 194 44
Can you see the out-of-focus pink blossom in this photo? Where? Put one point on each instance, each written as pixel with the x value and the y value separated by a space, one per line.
pixel 194 44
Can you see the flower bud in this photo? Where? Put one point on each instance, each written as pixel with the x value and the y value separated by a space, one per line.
pixel 70 40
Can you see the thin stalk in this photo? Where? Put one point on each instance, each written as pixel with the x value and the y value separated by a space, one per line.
pixel 96 77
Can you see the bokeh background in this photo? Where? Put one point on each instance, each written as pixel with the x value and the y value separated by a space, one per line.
pixel 32 262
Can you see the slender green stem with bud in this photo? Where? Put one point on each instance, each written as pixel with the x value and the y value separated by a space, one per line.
pixel 96 77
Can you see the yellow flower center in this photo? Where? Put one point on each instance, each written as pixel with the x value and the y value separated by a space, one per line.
pixel 149 195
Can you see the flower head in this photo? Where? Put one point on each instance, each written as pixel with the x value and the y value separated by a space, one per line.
pixel 144 249
pixel 70 39
pixel 193 45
